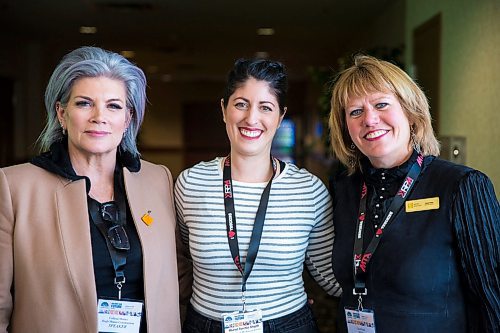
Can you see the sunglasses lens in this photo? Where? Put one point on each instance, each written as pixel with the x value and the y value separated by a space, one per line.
pixel 118 237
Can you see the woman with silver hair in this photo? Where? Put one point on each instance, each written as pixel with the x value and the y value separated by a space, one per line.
pixel 87 228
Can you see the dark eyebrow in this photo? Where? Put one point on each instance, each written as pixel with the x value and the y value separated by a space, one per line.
pixel 260 103
pixel 264 102
pixel 84 97
pixel 108 101
pixel 114 100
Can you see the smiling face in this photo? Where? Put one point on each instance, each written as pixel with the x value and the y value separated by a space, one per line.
pixel 379 128
pixel 252 116
pixel 95 116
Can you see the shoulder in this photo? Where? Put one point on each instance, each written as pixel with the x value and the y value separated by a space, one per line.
pixel 438 165
pixel 26 173
pixel 292 171
pixel 441 171
pixel 454 179
pixel 292 174
pixel 22 169
pixel 344 179
pixel 150 176
pixel 27 181
pixel 202 169
pixel 148 168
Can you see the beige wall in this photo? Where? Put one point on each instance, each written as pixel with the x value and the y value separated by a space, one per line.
pixel 470 74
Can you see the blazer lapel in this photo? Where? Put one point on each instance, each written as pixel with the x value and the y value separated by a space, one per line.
pixel 141 202
pixel 75 233
pixel 137 199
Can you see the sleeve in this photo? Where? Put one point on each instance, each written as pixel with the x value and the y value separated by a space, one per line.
pixel 476 218
pixel 6 253
pixel 319 251
pixel 184 261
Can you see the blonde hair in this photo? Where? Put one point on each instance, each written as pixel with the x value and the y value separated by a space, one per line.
pixel 368 75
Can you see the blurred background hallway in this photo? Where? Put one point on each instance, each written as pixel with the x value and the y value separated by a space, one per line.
pixel 186 48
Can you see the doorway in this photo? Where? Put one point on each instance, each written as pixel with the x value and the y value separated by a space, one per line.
pixel 427 63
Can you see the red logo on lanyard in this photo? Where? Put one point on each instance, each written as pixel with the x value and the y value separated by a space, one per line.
pixel 357 259
pixel 364 260
pixel 238 264
pixel 227 189
pixel 405 187
pixel 231 234
pixel 364 190
pixel 420 159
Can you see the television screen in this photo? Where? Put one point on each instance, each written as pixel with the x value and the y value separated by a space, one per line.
pixel 284 142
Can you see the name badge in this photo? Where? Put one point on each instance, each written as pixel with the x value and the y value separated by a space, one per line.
pixel 359 321
pixel 247 322
pixel 119 316
pixel 422 204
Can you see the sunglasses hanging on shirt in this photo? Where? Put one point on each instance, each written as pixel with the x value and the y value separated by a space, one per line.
pixel 115 232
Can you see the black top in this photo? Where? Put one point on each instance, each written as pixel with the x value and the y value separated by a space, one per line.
pixel 435 270
pixel 57 161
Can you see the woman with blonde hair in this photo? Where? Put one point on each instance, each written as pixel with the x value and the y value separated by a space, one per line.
pixel 417 237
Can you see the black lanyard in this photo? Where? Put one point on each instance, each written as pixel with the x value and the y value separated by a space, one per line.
pixel 361 259
pixel 118 257
pixel 232 236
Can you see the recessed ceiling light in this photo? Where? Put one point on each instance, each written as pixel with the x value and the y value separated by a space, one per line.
pixel 262 55
pixel 128 54
pixel 152 69
pixel 87 30
pixel 166 77
pixel 265 31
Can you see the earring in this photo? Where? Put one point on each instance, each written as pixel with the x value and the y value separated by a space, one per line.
pixel 352 146
pixel 352 162
pixel 413 139
pixel 62 128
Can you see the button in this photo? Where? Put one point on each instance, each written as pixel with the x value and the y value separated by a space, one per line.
pixel 377 205
pixel 376 216
pixel 383 177
pixel 381 197
pixel 383 188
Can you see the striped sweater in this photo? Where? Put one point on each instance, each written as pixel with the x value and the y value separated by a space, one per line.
pixel 298 228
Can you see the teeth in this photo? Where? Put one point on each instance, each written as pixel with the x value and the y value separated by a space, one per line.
pixel 375 134
pixel 251 134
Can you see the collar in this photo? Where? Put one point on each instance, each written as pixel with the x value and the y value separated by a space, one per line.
pixel 373 175
pixel 57 161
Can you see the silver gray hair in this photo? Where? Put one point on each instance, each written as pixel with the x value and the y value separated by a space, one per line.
pixel 94 62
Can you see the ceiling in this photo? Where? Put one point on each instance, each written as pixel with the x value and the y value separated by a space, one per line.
pixel 194 40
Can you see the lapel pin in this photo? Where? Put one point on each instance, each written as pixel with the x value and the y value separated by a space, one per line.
pixel 148 219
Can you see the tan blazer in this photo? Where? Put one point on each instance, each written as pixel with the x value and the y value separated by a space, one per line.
pixel 46 270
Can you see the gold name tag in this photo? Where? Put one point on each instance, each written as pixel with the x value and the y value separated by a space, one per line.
pixel 422 204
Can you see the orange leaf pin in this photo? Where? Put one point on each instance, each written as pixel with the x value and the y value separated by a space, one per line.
pixel 146 218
